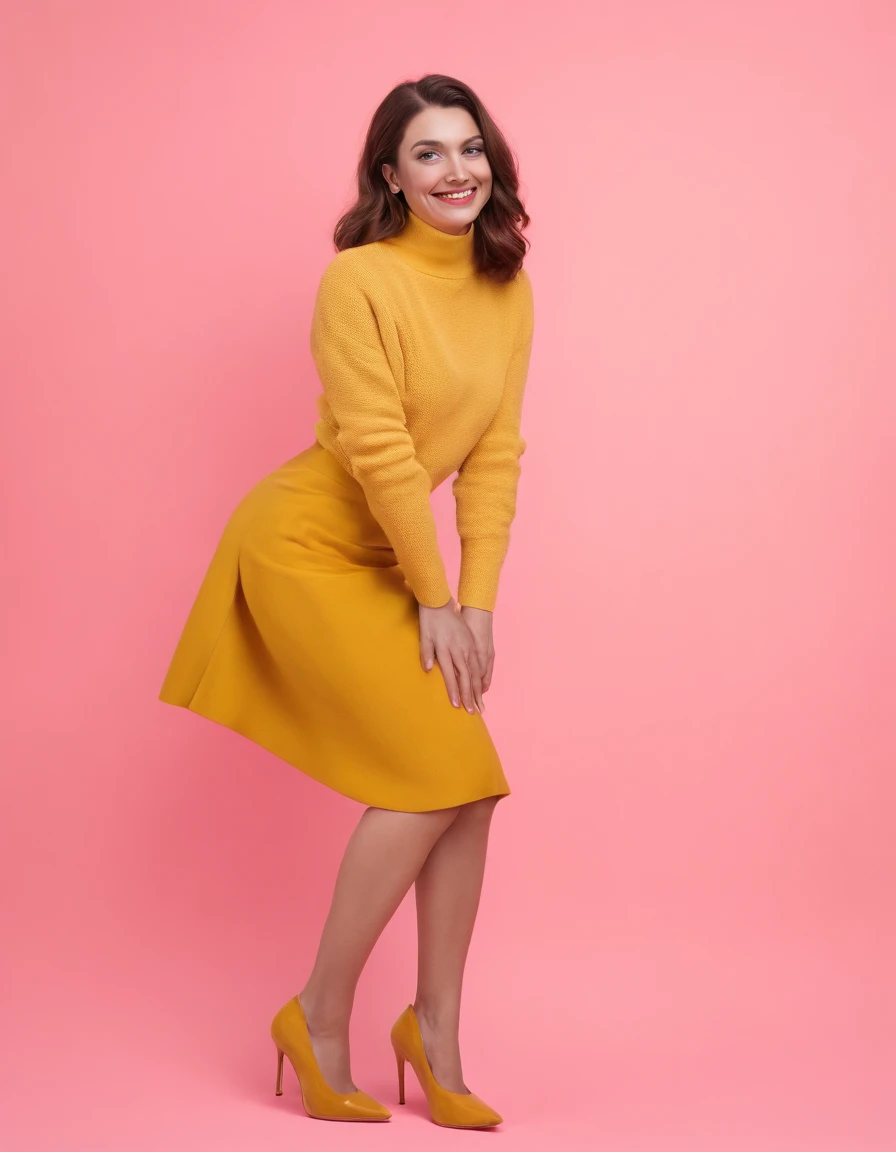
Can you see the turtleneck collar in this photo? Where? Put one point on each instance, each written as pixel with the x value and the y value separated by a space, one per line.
pixel 429 249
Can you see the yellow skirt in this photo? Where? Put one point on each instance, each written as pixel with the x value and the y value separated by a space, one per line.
pixel 304 638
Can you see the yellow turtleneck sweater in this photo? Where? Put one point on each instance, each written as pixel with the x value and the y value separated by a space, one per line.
pixel 423 363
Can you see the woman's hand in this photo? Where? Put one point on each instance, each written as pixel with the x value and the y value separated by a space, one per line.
pixel 479 622
pixel 446 636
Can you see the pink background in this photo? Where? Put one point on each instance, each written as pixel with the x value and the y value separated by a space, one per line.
pixel 687 936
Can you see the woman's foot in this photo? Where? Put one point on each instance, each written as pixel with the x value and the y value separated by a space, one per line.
pixel 442 1048
pixel 329 1041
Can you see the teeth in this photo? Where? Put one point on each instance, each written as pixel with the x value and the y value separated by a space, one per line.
pixel 455 195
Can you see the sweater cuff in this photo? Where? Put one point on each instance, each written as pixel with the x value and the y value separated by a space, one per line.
pixel 432 591
pixel 480 571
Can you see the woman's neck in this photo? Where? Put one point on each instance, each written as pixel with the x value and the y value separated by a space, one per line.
pixel 429 249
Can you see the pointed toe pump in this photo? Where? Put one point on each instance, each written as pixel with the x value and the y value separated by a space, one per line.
pixel 450 1109
pixel 289 1031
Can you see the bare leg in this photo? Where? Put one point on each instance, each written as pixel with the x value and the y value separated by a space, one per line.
pixel 383 856
pixel 447 891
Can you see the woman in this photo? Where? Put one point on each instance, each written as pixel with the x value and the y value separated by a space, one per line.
pixel 326 606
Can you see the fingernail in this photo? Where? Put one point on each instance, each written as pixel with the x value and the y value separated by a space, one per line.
pixel 471 710
pixel 455 703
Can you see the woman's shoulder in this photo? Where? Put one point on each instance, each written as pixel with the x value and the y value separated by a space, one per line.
pixel 524 304
pixel 354 269
pixel 523 284
pixel 516 293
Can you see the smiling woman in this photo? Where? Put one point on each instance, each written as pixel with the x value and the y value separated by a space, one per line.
pixel 444 176
pixel 435 147
pixel 473 144
pixel 326 605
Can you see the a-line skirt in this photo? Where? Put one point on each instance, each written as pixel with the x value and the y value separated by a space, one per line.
pixel 304 638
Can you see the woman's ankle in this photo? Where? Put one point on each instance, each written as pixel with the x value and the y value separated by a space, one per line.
pixel 326 1014
pixel 441 1017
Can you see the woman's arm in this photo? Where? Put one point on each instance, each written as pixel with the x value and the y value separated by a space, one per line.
pixel 360 389
pixel 485 488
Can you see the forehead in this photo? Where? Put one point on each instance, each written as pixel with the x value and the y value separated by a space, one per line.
pixel 450 125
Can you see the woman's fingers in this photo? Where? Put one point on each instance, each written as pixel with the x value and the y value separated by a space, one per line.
pixel 480 623
pixel 489 669
pixel 479 688
pixel 462 676
pixel 486 653
pixel 443 655
pixel 449 640
pixel 476 666
pixel 427 652
pixel 468 672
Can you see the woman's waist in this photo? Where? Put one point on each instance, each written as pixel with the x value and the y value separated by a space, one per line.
pixel 321 460
pixel 437 459
pixel 312 493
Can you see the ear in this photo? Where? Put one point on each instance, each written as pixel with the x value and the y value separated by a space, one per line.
pixel 390 177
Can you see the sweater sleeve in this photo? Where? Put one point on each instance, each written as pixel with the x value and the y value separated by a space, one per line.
pixel 485 488
pixel 363 397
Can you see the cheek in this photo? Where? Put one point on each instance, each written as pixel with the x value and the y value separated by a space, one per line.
pixel 422 181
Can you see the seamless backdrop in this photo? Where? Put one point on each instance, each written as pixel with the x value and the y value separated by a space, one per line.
pixel 686 938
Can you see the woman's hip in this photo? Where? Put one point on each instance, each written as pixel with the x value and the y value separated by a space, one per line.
pixel 310 510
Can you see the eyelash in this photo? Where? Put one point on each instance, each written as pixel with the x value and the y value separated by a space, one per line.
pixel 432 153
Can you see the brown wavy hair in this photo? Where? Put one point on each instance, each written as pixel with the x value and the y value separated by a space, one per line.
pixel 499 245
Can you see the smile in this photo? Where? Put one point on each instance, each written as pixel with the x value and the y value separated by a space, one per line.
pixel 456 197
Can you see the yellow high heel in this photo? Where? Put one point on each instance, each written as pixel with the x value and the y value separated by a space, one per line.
pixel 450 1109
pixel 289 1031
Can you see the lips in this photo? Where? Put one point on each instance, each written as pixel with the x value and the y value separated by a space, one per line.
pixel 456 199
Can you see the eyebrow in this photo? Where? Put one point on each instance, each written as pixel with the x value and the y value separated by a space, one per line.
pixel 438 143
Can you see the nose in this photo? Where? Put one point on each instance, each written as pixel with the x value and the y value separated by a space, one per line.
pixel 458 171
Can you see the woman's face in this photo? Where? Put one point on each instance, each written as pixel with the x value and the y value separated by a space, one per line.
pixel 442 151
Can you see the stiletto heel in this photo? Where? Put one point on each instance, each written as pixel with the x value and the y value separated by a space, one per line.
pixel 450 1109
pixel 400 1059
pixel 289 1031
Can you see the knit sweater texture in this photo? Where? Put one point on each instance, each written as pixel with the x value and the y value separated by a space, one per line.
pixel 423 363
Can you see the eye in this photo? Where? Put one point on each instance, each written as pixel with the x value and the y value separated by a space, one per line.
pixel 471 148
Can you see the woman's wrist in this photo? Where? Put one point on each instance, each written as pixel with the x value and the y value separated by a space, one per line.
pixel 439 607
